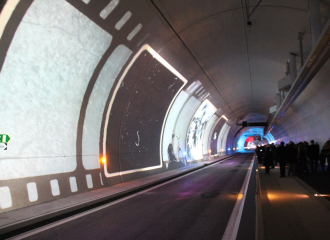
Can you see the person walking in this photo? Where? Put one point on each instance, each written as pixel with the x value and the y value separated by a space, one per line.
pixel 292 158
pixel 305 167
pixel 281 154
pixel 268 157
pixel 300 158
pixel 272 150
pixel 313 153
pixel 317 153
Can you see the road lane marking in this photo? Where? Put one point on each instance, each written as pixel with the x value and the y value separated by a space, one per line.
pixel 235 218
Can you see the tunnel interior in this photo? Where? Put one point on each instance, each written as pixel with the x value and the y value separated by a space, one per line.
pixel 97 93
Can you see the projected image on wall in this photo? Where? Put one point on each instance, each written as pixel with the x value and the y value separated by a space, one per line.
pixel 136 116
pixel 252 142
pixel 196 130
pixel 215 136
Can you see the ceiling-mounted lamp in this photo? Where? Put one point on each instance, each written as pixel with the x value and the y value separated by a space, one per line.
pixel 248 14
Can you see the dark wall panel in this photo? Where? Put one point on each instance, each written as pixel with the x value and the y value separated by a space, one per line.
pixel 137 115
pixel 214 141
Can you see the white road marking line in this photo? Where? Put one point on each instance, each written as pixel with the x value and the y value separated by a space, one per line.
pixel 235 218
pixel 55 224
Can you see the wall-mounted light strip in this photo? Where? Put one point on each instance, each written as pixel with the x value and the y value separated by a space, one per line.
pixel 199 90
pixel 123 20
pixel 191 85
pixel 195 87
pixel 108 9
pixel 134 32
pixel 206 95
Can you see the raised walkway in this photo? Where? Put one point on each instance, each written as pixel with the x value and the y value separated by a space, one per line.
pixel 289 207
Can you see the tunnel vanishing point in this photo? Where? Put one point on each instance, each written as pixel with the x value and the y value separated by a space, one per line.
pixel 100 92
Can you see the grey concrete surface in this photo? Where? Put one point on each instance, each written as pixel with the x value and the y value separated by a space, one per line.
pixel 290 210
pixel 197 206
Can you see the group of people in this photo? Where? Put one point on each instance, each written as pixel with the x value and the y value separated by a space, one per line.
pixel 301 158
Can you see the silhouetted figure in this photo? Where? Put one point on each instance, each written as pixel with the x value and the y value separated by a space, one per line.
pixel 259 152
pixel 300 158
pixel 292 158
pixel 317 154
pixel 268 158
pixel 281 154
pixel 272 150
pixel 170 153
pixel 305 168
pixel 313 155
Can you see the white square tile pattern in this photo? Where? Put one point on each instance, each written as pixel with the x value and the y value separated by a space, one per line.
pixel 123 20
pixel 5 198
pixel 32 191
pixel 101 179
pixel 55 187
pixel 134 32
pixel 108 9
pixel 73 184
pixel 89 181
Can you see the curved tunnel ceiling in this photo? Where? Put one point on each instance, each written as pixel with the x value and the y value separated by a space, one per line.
pixel 243 62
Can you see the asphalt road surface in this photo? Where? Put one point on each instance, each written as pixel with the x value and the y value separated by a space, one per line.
pixel 197 206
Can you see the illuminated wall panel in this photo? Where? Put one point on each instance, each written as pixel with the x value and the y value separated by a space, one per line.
pixel 222 140
pixel 48 65
pixel 252 132
pixel 96 105
pixel 181 127
pixel 5 198
pixel 172 119
pixel 207 133
pixel 196 130
pixel 216 135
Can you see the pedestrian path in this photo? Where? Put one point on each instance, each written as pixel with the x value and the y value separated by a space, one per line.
pixel 290 210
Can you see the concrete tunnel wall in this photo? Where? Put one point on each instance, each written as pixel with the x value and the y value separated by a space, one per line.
pixel 309 116
pixel 83 80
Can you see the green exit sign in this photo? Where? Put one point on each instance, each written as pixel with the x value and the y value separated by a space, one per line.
pixel 4 138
